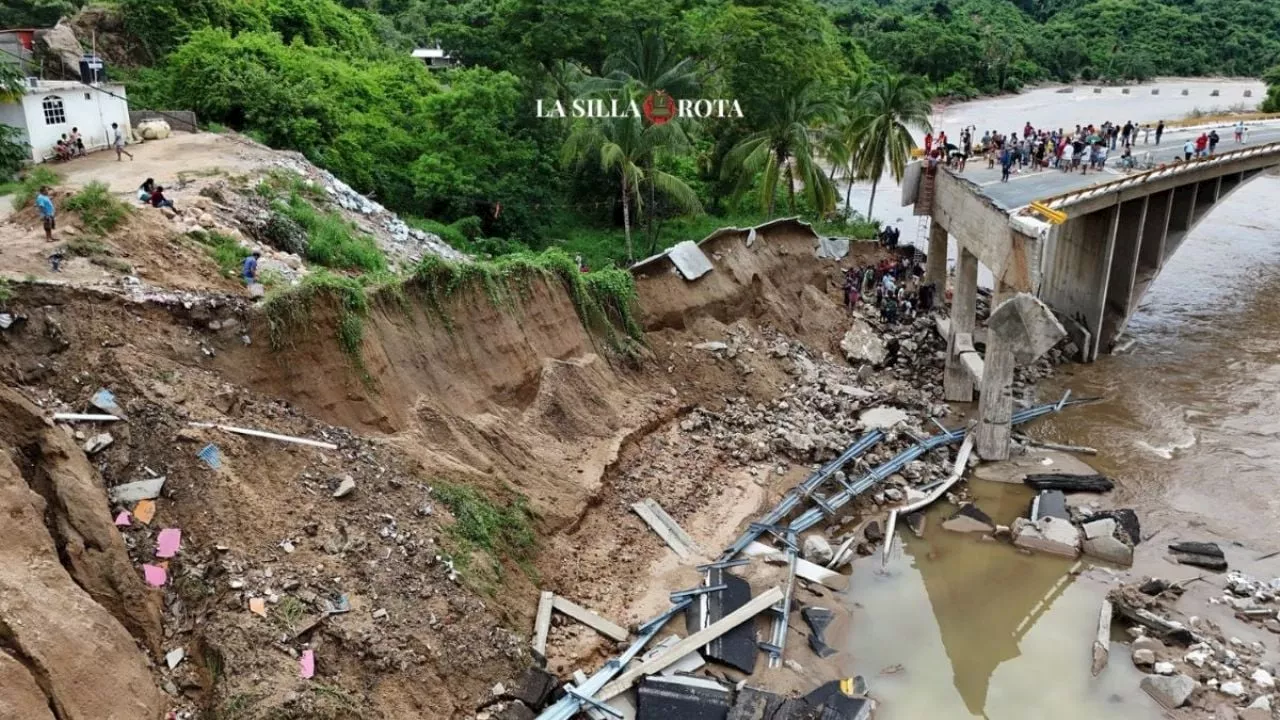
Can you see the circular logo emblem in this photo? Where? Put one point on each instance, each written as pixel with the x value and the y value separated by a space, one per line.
pixel 659 107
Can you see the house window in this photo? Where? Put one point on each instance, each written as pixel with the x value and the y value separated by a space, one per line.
pixel 53 112
pixel 86 96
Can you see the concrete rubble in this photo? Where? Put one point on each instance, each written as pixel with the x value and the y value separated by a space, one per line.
pixel 1051 535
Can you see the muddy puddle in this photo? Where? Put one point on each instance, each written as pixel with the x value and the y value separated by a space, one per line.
pixel 959 627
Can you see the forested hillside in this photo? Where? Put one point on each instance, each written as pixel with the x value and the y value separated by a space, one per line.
pixel 466 149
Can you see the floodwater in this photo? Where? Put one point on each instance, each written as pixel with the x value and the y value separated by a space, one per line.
pixel 960 627
pixel 1189 427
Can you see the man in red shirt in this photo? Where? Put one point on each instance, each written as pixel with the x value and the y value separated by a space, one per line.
pixel 1201 143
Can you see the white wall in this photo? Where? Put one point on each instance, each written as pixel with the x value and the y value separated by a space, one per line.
pixel 14 115
pixel 88 108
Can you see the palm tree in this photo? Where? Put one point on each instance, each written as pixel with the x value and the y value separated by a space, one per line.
pixel 625 147
pixel 888 109
pixel 785 148
pixel 840 139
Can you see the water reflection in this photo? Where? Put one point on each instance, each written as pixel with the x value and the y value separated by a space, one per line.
pixel 983 631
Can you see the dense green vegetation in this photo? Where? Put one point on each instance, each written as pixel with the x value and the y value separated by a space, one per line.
pixel 465 151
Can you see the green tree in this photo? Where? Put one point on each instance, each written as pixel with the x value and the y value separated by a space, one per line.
pixel 1271 103
pixel 840 139
pixel 785 149
pixel 624 147
pixel 13 150
pixel 890 107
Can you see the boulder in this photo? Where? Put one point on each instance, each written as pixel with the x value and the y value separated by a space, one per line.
pixel 60 44
pixel 154 129
pixel 969 518
pixel 817 549
pixel 1171 691
pixel 207 221
pixel 1144 657
pixel 862 345
pixel 1049 534
pixel 1028 325
pixel 1127 520
pixel 1198 548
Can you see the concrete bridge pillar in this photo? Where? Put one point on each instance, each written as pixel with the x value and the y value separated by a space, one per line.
pixel 957 384
pixel 935 269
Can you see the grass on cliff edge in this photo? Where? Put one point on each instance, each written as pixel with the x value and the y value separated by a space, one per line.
pixel 604 300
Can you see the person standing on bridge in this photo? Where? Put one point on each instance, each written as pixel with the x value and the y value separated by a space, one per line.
pixel 1006 163
pixel 1188 149
pixel 1239 132
pixel 1159 131
pixel 1202 145
pixel 928 143
pixel 1213 141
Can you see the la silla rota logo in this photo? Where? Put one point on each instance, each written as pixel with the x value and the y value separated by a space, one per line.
pixel 657 108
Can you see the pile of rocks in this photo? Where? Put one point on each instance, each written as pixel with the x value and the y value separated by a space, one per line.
pixel 1195 663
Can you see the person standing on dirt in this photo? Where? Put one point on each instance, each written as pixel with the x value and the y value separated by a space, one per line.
pixel 1159 131
pixel 47 214
pixel 118 142
pixel 249 270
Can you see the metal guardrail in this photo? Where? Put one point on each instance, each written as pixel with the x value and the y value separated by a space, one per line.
pixel 1057 202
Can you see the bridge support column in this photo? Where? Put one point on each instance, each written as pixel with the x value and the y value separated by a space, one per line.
pixel 957 385
pixel 995 404
pixel 935 269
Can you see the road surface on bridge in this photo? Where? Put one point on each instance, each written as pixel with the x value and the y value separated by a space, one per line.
pixel 1026 186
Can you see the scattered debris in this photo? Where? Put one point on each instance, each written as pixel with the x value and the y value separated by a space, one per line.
pixel 174 657
pixel 258 606
pixel 307 664
pixel 346 486
pixel 685 665
pixel 98 443
pixel 804 569
pixel 666 528
pixel 819 619
pixel 1200 554
pixel 211 456
pixel 105 401
pixel 1069 483
pixel 689 260
pixel 969 519
pixel 1049 503
pixel 862 344
pixel 267 435
pixel 817 550
pixel 124 519
pixel 883 418
pixel 1079 449
pixel 674 697
pixel 155 575
pixel 144 511
pixel 83 417
pixel 590 619
pixel 167 542
pixel 1102 640
pixel 134 491
pixel 1100 541
pixel 542 621
pixel 736 647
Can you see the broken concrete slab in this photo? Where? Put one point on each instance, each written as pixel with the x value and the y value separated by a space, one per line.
pixel 134 491
pixel 1027 325
pixel 346 486
pixel 685 665
pixel 809 571
pixel 862 345
pixel 689 260
pixel 819 619
pixel 882 418
pixel 105 401
pixel 542 621
pixel 969 519
pixel 1102 638
pixel 1102 527
pixel 1037 461
pixel 591 619
pixel 1126 519
pixel 1171 691
pixel 1110 549
pixel 1050 534
pixel 1050 503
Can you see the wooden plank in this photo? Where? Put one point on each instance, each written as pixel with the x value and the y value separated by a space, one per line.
pixel 590 619
pixel 758 604
pixel 658 519
pixel 805 569
pixel 542 624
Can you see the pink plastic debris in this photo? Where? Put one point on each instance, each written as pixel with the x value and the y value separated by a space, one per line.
pixel 156 576
pixel 167 542
pixel 308 663
pixel 124 519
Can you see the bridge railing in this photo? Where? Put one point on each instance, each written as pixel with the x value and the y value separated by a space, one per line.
pixel 1057 202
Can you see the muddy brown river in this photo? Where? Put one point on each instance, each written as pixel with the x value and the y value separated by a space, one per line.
pixel 1190 428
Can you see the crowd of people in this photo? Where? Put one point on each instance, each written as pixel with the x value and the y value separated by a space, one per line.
pixel 894 285
pixel 1087 147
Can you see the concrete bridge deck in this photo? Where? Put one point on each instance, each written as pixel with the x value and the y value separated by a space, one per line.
pixel 1027 186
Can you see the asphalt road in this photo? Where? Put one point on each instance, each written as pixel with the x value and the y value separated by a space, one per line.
pixel 1026 186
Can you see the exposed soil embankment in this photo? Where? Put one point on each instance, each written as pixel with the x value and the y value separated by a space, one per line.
pixel 510 395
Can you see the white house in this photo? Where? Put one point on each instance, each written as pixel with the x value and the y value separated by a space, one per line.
pixel 51 108
pixel 434 58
